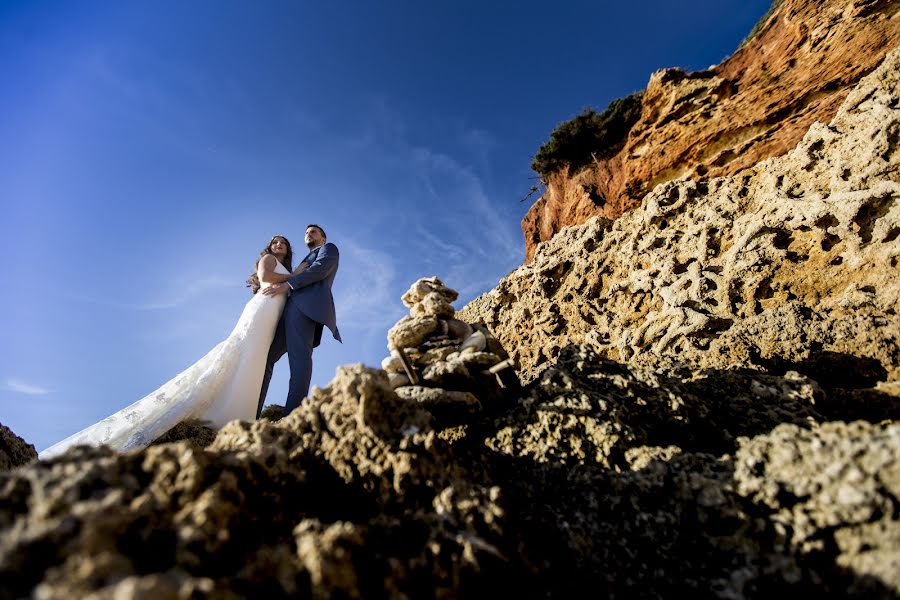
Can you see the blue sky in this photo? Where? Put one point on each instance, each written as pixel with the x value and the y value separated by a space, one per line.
pixel 149 150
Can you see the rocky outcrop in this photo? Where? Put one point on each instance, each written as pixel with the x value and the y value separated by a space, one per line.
pixel 756 104
pixel 600 476
pixel 790 264
pixel 717 483
pixel 352 494
pixel 14 451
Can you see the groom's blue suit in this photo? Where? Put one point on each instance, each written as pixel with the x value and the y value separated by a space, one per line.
pixel 309 307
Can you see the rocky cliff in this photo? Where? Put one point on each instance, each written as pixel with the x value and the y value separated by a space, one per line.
pixel 756 104
pixel 710 409
pixel 791 263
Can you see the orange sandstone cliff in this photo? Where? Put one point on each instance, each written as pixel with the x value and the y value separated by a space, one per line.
pixel 757 104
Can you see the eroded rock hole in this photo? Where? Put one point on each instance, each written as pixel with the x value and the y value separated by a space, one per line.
pixel 782 239
pixel 825 221
pixel 713 243
pixel 829 241
pixel 869 214
pixel 680 268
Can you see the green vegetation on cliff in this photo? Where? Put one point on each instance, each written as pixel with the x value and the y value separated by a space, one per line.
pixel 588 134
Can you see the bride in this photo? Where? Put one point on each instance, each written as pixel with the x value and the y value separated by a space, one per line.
pixel 220 387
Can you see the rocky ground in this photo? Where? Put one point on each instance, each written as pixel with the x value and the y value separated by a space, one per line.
pixel 709 408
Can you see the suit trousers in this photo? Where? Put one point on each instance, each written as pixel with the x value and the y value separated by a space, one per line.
pixel 305 334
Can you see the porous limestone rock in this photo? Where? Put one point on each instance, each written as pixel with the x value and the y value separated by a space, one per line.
pixel 835 485
pixel 392 364
pixel 722 481
pixel 447 405
pixel 192 430
pixel 757 104
pixel 351 485
pixel 594 410
pixel 433 304
pixel 452 375
pixel 686 274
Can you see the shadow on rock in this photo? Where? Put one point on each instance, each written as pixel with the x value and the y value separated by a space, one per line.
pixel 588 409
pixel 832 369
pixel 196 432
pixel 855 386
pixel 764 522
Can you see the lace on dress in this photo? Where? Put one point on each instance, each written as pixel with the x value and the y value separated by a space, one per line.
pixel 222 386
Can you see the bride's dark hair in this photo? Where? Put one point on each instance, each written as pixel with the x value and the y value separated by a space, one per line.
pixel 253 280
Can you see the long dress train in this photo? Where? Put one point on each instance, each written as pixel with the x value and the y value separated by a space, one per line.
pixel 222 386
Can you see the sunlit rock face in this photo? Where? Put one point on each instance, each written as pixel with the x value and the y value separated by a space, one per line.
pixel 791 263
pixel 758 103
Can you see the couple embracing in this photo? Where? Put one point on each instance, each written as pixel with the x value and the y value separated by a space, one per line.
pixel 287 314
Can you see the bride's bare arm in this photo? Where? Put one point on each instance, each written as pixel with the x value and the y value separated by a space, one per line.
pixel 266 270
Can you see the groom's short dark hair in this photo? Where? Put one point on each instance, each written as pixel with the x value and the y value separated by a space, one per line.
pixel 324 235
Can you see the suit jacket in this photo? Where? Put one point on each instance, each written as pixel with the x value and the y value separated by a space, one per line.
pixel 311 293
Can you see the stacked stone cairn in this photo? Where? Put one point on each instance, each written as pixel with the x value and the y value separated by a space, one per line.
pixel 453 369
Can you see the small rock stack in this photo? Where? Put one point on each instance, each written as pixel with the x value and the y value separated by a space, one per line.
pixel 452 368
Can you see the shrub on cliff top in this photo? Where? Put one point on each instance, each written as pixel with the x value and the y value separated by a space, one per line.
pixel 573 142
pixel 761 23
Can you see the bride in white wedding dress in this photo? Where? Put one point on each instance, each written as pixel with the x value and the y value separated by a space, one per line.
pixel 220 387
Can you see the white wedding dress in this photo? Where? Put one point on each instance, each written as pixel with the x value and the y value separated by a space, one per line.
pixel 222 386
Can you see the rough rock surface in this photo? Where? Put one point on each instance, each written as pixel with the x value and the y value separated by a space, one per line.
pixel 195 432
pixel 14 451
pixel 719 483
pixel 626 481
pixel 352 494
pixel 790 264
pixel 756 104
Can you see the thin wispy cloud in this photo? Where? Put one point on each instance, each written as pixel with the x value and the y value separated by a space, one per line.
pixel 455 185
pixel 456 190
pixel 364 295
pixel 504 233
pixel 174 299
pixel 23 387
pixel 463 237
pixel 480 143
pixel 450 250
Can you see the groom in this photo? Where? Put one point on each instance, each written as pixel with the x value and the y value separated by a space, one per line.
pixel 309 307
